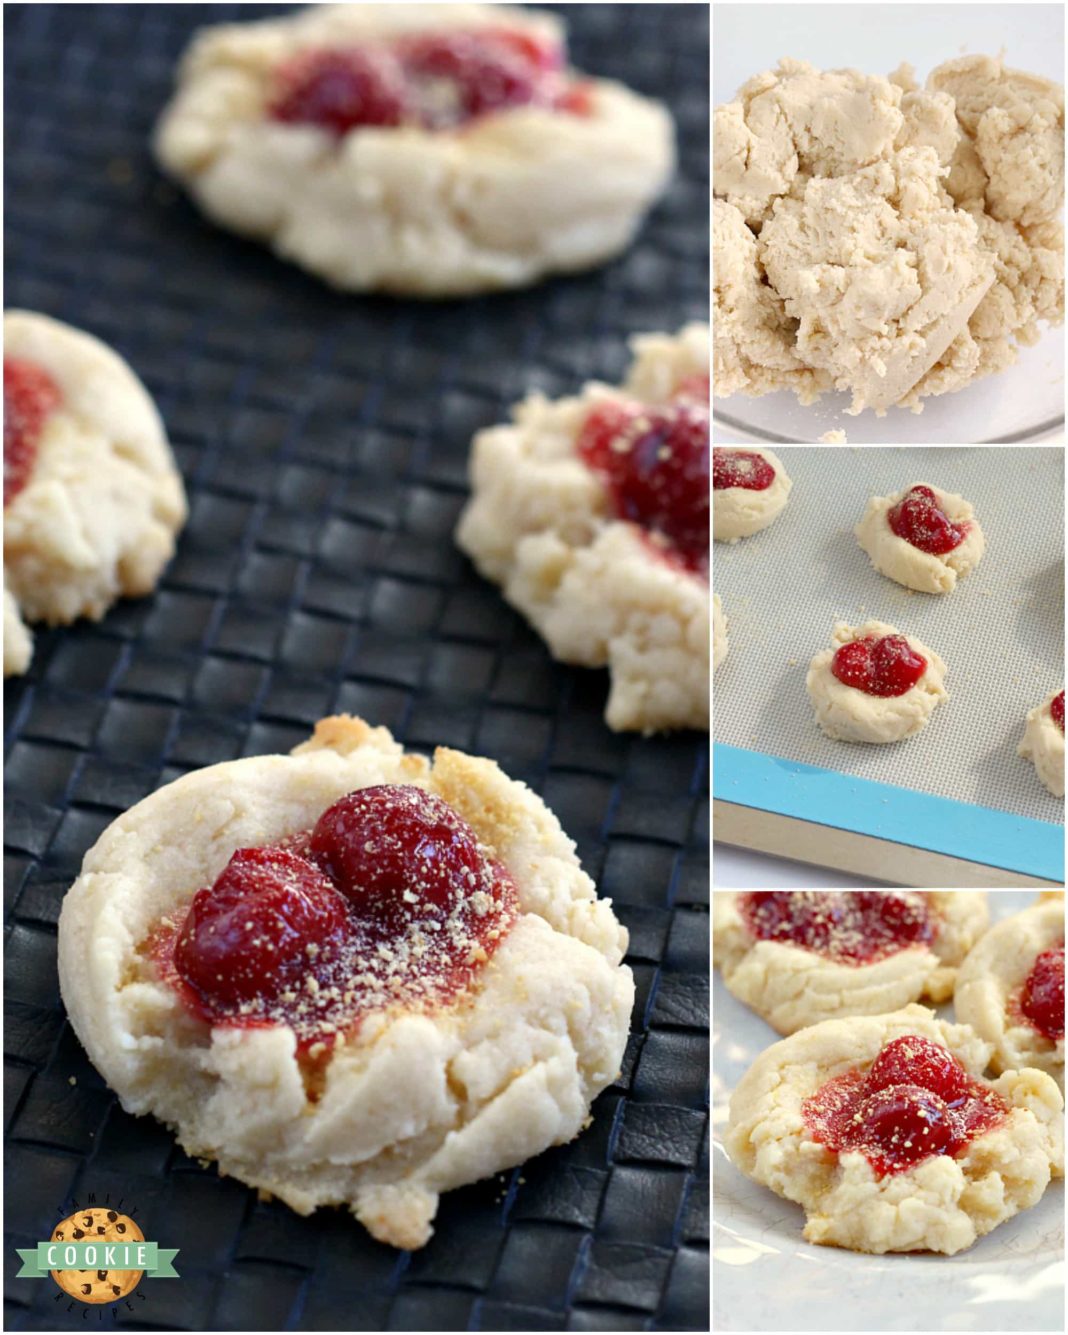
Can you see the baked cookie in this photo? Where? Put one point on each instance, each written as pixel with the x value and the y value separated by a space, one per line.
pixel 875 685
pixel 591 512
pixel 92 499
pixel 1043 741
pixel 800 956
pixel 350 975
pixel 427 150
pixel 884 1130
pixel 97 1224
pixel 720 642
pixel 922 537
pixel 1010 989
pixel 751 490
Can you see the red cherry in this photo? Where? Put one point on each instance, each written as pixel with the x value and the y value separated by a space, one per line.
pixel 30 394
pixel 903 1124
pixel 1042 1000
pixel 920 520
pixel 341 90
pixel 1056 708
pixel 883 666
pixel 460 75
pixel 390 842
pixel 913 1060
pixel 741 468
pixel 248 935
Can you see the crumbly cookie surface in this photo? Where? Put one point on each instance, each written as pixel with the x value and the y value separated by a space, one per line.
pixel 992 974
pixel 414 1103
pixel 97 519
pixel 1043 745
pixel 738 512
pixel 898 559
pixel 499 204
pixel 539 524
pixel 791 987
pixel 941 1204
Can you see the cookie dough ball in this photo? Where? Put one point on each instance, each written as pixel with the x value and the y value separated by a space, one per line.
pixel 427 150
pixel 875 684
pixel 750 488
pixel 92 499
pixel 922 537
pixel 1043 741
pixel 719 632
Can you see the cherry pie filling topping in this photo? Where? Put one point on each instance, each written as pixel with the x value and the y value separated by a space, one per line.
pixel 921 521
pixel 30 394
pixel 437 81
pixel 915 1101
pixel 884 665
pixel 654 464
pixel 389 900
pixel 851 927
pixel 1056 708
pixel 1039 1003
pixel 741 468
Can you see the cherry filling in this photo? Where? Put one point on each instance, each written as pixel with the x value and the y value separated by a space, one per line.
pixel 388 900
pixel 30 394
pixel 920 520
pixel 741 468
pixel 885 665
pixel 654 462
pixel 849 926
pixel 1041 999
pixel 1056 708
pixel 436 80
pixel 916 1101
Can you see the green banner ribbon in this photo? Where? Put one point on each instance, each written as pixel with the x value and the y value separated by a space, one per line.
pixel 154 1260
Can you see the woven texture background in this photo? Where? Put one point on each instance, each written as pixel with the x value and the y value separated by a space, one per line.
pixel 323 439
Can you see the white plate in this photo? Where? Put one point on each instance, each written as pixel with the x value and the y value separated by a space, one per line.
pixel 765 1278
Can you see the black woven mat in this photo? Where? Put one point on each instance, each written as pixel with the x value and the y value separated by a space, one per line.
pixel 323 439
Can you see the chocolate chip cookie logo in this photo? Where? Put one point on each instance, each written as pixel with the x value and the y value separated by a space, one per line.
pixel 97 1255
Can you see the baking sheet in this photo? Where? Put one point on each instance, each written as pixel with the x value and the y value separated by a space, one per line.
pixel 1000 632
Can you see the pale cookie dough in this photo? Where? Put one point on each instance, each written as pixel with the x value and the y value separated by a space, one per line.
pixel 738 512
pixel 834 438
pixel 97 519
pixel 500 202
pixel 942 1204
pixel 879 239
pixel 791 987
pixel 851 715
pixel 720 642
pixel 994 971
pixel 540 524
pixel 899 560
pixel 1043 743
pixel 414 1103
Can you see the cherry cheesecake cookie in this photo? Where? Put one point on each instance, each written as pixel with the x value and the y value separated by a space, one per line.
pixel 800 956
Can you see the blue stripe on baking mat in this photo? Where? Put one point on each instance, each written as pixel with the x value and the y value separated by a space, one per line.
pixel 883 811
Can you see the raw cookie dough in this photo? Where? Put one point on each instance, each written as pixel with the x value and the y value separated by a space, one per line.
pixel 876 238
pixel 899 560
pixel 834 438
pixel 719 632
pixel 738 512
pixel 541 524
pixel 1043 743
pixel 941 1204
pixel 498 201
pixel 97 517
pixel 848 714
pixel 415 1101
pixel 791 987
pixel 996 969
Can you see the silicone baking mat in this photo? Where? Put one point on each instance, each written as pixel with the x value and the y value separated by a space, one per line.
pixel 323 439
pixel 1000 632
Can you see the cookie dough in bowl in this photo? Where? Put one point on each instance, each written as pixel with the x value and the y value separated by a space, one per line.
pixel 350 975
pixel 798 957
pixel 875 685
pixel 922 537
pixel 591 512
pixel 750 488
pixel 1010 989
pixel 1043 741
pixel 428 150
pixel 884 1130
